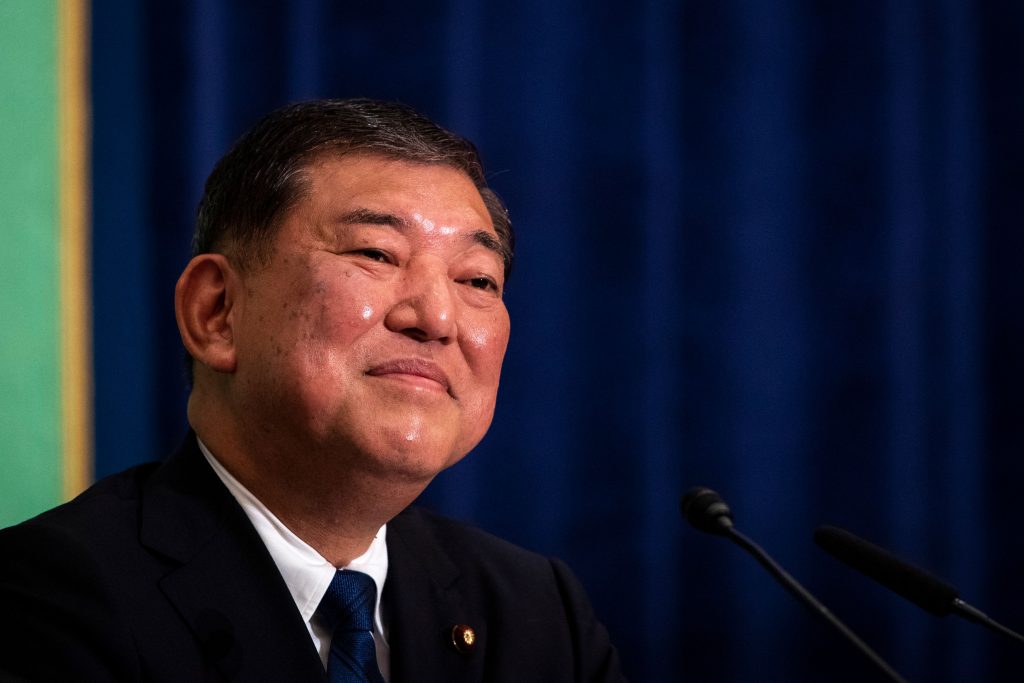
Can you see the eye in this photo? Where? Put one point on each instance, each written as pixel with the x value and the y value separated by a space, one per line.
pixel 376 255
pixel 484 283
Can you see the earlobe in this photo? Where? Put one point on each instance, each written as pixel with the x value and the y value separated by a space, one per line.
pixel 204 299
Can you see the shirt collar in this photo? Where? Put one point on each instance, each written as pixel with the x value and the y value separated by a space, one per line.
pixel 305 571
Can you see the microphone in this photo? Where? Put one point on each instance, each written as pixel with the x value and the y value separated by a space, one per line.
pixel 925 590
pixel 705 510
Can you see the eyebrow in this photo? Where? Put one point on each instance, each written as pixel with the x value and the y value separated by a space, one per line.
pixel 371 217
pixel 401 224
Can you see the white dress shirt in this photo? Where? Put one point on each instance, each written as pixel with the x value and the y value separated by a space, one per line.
pixel 305 571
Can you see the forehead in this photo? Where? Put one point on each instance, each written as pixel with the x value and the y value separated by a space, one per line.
pixel 413 190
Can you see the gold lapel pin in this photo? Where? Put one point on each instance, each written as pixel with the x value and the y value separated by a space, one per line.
pixel 463 638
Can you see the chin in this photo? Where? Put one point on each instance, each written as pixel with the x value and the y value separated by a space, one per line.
pixel 414 460
pixel 409 468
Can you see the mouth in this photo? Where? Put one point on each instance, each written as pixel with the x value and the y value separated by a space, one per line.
pixel 415 371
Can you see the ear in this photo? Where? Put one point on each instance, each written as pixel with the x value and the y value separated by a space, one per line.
pixel 204 299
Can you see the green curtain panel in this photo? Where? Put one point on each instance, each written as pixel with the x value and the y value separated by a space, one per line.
pixel 44 367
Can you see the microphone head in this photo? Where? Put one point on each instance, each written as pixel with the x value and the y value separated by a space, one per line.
pixel 705 510
pixel 928 592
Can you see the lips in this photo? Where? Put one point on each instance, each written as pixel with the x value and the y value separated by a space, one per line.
pixel 412 367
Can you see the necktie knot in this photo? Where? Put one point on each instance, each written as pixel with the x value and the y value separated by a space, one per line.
pixel 349 602
pixel 347 609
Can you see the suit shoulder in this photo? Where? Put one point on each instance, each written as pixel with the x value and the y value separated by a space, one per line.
pixel 106 505
pixel 63 580
pixel 462 539
pixel 534 605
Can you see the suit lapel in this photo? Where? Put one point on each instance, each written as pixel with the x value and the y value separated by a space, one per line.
pixel 422 603
pixel 226 587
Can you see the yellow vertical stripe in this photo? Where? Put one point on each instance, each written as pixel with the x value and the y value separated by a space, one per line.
pixel 75 285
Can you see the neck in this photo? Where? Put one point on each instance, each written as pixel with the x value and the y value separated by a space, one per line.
pixel 340 523
pixel 334 507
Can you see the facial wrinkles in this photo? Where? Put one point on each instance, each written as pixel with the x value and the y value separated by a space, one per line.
pixel 319 330
pixel 321 354
pixel 332 316
pixel 343 313
pixel 437 235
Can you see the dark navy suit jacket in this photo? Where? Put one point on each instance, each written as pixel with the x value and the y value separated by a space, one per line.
pixel 156 574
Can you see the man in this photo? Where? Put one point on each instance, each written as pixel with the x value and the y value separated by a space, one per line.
pixel 344 320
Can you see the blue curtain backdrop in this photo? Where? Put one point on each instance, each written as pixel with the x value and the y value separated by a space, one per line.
pixel 769 247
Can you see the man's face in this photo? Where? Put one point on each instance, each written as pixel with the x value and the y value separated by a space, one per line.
pixel 376 333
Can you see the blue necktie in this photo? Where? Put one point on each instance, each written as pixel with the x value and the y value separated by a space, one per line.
pixel 347 610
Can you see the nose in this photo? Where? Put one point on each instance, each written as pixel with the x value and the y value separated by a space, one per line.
pixel 425 306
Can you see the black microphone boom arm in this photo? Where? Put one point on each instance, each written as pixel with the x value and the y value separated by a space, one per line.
pixel 925 590
pixel 706 511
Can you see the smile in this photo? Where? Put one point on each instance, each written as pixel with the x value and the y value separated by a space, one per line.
pixel 415 371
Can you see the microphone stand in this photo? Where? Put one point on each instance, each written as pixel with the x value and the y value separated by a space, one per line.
pixel 924 589
pixel 705 510
pixel 970 613
pixel 801 594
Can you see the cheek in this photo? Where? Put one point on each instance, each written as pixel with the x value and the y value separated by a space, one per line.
pixel 345 306
pixel 485 339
